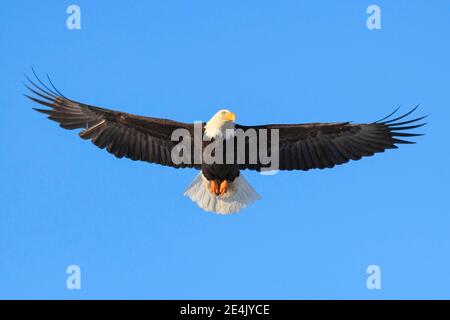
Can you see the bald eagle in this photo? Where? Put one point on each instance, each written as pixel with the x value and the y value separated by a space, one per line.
pixel 220 187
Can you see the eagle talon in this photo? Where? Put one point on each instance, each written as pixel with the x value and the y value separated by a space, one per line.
pixel 223 187
pixel 215 187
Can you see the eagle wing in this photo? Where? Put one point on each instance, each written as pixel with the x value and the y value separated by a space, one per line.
pixel 324 145
pixel 122 134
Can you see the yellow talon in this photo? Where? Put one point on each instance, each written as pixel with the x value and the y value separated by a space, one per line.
pixel 223 187
pixel 214 187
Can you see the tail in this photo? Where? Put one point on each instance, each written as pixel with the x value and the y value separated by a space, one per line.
pixel 240 195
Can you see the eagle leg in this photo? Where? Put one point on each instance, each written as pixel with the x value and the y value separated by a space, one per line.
pixel 223 187
pixel 215 187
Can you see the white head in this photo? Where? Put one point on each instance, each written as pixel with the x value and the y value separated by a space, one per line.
pixel 217 126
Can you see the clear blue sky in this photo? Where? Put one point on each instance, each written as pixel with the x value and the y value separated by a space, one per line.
pixel 127 225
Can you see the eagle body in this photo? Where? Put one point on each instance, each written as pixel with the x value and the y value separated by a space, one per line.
pixel 219 186
pixel 219 171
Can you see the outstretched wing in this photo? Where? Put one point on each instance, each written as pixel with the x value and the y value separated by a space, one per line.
pixel 122 134
pixel 324 145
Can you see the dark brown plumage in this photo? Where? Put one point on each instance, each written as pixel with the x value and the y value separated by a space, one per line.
pixel 120 133
pixel 324 145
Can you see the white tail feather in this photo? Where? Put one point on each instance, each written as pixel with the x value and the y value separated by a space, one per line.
pixel 240 195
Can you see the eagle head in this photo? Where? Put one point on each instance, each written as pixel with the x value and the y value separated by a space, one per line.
pixel 221 125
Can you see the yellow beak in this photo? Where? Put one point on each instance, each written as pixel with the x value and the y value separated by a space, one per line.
pixel 230 116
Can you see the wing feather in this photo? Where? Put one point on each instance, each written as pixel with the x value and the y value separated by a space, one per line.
pixel 122 134
pixel 324 145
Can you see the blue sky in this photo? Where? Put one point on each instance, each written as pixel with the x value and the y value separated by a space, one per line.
pixel 127 225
